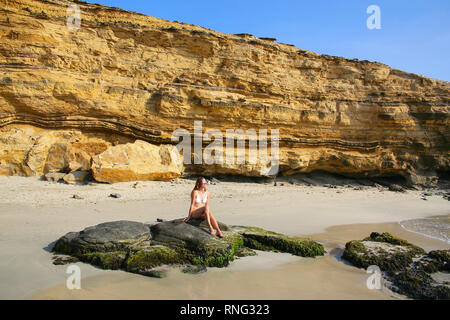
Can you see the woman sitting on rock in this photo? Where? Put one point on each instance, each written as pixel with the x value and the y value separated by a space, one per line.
pixel 199 208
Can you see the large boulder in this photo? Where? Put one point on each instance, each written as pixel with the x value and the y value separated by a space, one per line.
pixel 407 268
pixel 143 249
pixel 137 161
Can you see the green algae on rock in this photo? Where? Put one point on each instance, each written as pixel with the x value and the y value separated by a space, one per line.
pixel 407 268
pixel 145 249
pixel 383 250
pixel 260 239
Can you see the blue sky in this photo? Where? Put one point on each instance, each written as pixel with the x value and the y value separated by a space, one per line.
pixel 414 35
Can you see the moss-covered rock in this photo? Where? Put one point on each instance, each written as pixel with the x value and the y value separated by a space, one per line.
pixel 407 267
pixel 435 261
pixel 386 237
pixel 384 255
pixel 146 259
pixel 194 269
pixel 196 244
pixel 418 284
pixel 107 260
pixel 245 252
pixel 145 249
pixel 383 250
pixel 62 260
pixel 260 239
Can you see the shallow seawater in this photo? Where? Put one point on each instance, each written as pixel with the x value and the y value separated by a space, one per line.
pixel 433 227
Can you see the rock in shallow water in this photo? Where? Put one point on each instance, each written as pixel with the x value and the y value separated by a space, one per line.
pixel 407 268
pixel 144 249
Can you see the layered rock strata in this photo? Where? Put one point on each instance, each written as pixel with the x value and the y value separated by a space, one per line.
pixel 125 76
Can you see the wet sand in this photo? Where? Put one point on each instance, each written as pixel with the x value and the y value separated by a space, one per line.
pixel 33 214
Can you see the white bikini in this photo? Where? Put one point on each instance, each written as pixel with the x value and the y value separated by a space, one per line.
pixel 198 200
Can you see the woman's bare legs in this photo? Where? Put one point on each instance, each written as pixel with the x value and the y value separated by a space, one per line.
pixel 201 213
pixel 214 223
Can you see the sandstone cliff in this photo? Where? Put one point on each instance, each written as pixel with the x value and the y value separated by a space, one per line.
pixel 67 96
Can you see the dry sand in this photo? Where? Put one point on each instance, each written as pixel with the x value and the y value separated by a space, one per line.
pixel 35 213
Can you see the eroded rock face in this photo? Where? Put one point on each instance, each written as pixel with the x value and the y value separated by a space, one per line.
pixel 407 268
pixel 148 249
pixel 30 151
pixel 140 77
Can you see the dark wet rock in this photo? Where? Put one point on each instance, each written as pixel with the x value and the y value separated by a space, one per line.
pixel 418 284
pixel 114 195
pixel 157 272
pixel 407 268
pixel 436 261
pixel 159 220
pixel 140 248
pixel 204 224
pixel 194 269
pixel 104 237
pixel 244 252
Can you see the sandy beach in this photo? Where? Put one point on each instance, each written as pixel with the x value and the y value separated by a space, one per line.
pixel 35 213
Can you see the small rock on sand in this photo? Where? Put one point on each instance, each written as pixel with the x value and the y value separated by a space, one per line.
pixel 138 185
pixel 396 188
pixel 114 195
pixel 54 176
pixel 61 260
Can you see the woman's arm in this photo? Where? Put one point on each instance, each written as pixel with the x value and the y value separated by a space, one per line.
pixel 191 207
